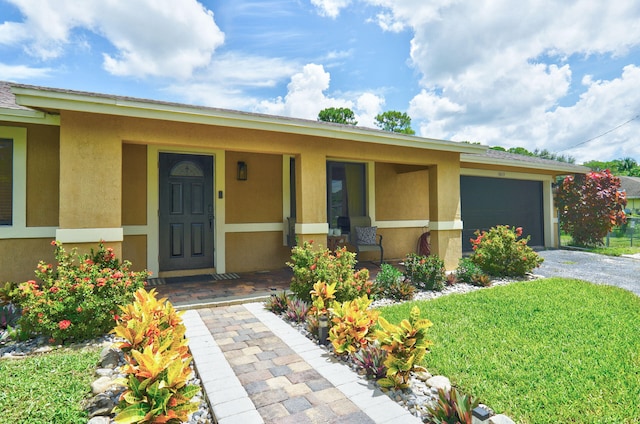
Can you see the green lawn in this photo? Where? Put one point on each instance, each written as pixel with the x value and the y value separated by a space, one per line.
pixel 546 351
pixel 47 388
pixel 617 245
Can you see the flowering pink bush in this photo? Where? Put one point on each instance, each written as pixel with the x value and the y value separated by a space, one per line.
pixel 78 297
pixel 502 252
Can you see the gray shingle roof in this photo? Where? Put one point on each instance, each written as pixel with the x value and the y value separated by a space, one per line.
pixel 631 185
pixel 514 159
pixel 7 99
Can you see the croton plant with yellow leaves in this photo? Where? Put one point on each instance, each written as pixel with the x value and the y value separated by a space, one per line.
pixel 158 361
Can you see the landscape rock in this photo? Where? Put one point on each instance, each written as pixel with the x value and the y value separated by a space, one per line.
pixel 102 404
pixel 500 419
pixel 422 375
pixel 109 357
pixel 439 382
pixel 99 420
pixel 102 384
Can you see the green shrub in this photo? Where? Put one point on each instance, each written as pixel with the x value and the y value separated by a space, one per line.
pixel 452 407
pixel 311 265
pixel 501 252
pixel 471 273
pixel 392 283
pixel 296 310
pixel 425 272
pixel 78 298
pixel 370 359
pixel 277 303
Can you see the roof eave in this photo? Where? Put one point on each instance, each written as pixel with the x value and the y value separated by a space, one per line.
pixel 28 116
pixel 558 168
pixel 51 99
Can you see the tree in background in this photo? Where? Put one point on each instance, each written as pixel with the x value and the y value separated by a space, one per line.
pixel 395 121
pixel 590 206
pixel 625 166
pixel 338 115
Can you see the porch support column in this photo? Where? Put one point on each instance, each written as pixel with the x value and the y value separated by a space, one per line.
pixel 90 182
pixel 311 198
pixel 444 212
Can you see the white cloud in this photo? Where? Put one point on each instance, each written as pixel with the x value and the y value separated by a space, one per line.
pixel 162 37
pixel 229 79
pixel 502 75
pixel 330 8
pixel 367 107
pixel 306 97
pixel 21 72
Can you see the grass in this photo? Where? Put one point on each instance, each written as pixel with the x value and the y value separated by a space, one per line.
pixel 47 388
pixel 547 351
pixel 617 245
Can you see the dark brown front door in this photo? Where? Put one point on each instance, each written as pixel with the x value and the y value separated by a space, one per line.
pixel 186 211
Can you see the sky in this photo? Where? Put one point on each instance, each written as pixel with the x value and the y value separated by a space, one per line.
pixel 539 74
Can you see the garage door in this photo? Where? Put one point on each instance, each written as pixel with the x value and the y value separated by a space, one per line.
pixel 487 202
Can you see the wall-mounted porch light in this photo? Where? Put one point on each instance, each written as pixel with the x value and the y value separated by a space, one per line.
pixel 242 171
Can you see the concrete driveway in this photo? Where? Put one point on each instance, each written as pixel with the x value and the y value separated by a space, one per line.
pixel 622 272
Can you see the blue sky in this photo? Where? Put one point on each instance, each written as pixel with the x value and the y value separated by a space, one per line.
pixel 544 76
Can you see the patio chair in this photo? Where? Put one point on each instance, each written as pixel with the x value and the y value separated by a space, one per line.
pixel 364 237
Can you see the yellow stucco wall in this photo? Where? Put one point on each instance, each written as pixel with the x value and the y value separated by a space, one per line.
pixel 134 249
pixel 19 258
pixel 256 251
pixel 43 172
pixel 90 171
pixel 401 195
pixel 259 198
pixel 102 182
pixel 134 184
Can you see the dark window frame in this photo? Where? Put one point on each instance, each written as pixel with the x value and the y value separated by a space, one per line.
pixel 6 181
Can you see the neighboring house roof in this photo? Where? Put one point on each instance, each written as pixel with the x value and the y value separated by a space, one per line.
pixel 497 157
pixel 631 186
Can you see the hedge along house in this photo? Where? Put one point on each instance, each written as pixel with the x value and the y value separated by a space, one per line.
pixel 182 190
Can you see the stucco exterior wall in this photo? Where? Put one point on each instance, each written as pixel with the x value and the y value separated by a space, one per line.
pixel 134 249
pixel 259 198
pixel 134 184
pixel 43 175
pixel 19 258
pixel 255 251
pixel 90 172
pixel 401 195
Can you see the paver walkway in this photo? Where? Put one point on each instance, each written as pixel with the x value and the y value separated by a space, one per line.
pixel 255 368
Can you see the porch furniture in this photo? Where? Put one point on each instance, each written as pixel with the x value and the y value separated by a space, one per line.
pixel 364 237
pixel 337 242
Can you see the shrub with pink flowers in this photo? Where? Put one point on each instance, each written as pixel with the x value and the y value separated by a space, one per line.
pixel 78 297
pixel 502 251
